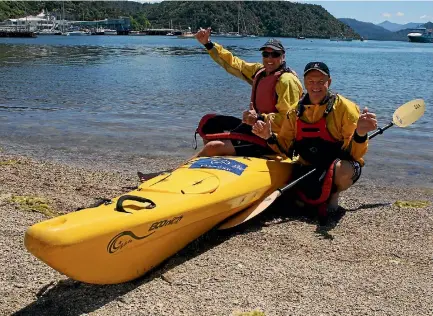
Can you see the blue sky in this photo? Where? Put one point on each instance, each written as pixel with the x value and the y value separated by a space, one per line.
pixel 400 12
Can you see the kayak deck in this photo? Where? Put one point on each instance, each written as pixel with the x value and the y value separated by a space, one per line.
pixel 120 241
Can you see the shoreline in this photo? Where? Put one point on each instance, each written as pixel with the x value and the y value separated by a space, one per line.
pixel 376 260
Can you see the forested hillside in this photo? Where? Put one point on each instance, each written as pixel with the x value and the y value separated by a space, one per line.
pixel 270 18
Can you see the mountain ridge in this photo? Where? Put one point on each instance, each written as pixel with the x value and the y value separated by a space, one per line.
pixel 394 27
pixel 375 32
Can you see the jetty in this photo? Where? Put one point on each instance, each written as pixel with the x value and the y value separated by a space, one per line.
pixel 16 33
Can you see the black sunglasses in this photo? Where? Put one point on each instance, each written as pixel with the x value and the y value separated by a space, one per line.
pixel 273 54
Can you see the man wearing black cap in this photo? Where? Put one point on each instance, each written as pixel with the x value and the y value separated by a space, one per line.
pixel 274 88
pixel 327 132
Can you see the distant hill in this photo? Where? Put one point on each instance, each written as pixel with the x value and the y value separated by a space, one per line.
pixel 369 30
pixel 394 27
pixel 265 18
pixel 375 32
pixel 403 33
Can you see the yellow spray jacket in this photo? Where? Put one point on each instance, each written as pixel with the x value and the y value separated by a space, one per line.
pixel 288 87
pixel 341 123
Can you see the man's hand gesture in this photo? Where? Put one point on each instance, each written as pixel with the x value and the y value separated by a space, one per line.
pixel 203 35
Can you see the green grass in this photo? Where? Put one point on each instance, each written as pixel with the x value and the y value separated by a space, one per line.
pixel 10 162
pixel 413 204
pixel 33 204
pixel 252 313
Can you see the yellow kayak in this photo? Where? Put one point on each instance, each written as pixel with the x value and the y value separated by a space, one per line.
pixel 122 240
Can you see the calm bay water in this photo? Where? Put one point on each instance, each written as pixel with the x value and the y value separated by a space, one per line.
pixel 117 98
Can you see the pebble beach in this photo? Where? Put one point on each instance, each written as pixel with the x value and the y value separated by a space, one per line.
pixel 375 258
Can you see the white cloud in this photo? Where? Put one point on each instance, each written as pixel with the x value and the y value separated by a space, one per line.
pixel 386 15
pixel 424 17
pixel 399 13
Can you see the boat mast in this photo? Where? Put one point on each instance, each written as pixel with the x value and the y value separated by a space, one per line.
pixel 239 11
pixel 63 19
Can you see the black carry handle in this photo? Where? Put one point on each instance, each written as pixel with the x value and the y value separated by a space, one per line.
pixel 119 206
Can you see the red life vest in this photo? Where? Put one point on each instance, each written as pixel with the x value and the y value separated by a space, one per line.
pixel 317 146
pixel 313 142
pixel 264 99
pixel 263 94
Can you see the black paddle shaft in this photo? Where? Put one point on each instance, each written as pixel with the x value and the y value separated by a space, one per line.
pixel 380 130
pixel 293 183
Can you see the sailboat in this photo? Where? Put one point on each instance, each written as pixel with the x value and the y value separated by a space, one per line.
pixel 63 20
pixel 236 34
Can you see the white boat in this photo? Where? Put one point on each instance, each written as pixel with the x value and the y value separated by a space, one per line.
pixel 77 33
pixel 234 35
pixel 340 39
pixel 136 33
pixel 421 35
pixel 98 31
pixel 110 32
pixel 48 32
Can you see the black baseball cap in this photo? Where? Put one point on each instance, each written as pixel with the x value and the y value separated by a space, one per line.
pixel 317 65
pixel 273 44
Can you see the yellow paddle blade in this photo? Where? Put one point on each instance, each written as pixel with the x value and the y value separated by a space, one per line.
pixel 250 212
pixel 408 113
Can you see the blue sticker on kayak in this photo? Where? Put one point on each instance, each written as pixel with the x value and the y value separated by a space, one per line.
pixel 229 165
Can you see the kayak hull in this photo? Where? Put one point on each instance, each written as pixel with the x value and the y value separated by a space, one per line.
pixel 122 240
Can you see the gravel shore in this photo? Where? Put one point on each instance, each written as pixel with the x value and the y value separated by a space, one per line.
pixel 377 259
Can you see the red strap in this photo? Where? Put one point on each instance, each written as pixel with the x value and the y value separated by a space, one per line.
pixel 326 187
pixel 313 130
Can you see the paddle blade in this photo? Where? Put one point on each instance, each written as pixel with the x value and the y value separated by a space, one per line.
pixel 408 113
pixel 250 212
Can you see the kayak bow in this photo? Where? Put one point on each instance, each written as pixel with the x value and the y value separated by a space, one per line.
pixel 122 240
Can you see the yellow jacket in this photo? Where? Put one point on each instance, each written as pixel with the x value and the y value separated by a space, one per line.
pixel 288 88
pixel 341 123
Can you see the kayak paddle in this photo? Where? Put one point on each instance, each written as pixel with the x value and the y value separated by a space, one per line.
pixel 404 116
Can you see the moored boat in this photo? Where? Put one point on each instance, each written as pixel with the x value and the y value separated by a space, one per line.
pixel 110 32
pixel 123 239
pixel 78 33
pixel 421 35
pixel 340 39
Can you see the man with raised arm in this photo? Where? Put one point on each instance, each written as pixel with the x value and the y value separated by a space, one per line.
pixel 274 88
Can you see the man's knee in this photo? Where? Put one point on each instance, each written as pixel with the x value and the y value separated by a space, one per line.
pixel 344 172
pixel 214 148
